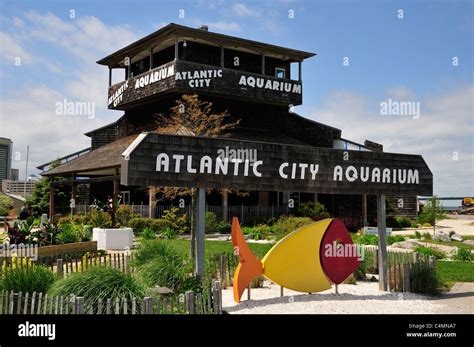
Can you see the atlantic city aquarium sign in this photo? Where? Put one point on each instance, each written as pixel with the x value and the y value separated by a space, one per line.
pixel 198 77
pixel 168 160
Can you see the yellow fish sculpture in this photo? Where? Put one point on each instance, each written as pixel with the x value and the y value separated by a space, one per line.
pixel 303 261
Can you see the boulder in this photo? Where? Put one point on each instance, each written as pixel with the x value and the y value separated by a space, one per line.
pixel 469 242
pixel 408 244
pixel 456 237
pixel 442 236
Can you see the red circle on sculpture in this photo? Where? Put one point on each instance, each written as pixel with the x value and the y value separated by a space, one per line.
pixel 338 253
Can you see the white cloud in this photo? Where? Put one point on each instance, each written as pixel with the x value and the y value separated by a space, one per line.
pixel 12 49
pixel 27 113
pixel 244 10
pixel 446 125
pixel 224 26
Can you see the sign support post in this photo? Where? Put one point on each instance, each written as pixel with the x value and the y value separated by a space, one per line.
pixel 200 231
pixel 382 251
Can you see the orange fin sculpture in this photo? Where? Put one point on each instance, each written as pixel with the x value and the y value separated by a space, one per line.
pixel 299 261
pixel 249 266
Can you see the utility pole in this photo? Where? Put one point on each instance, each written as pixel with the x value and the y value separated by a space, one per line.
pixel 26 171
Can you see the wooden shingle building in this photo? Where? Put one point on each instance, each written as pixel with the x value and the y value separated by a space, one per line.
pixel 257 83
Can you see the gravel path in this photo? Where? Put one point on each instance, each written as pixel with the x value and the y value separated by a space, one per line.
pixel 363 298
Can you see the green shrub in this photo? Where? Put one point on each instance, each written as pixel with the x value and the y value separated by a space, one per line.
pixel 424 279
pixel 99 282
pixel 158 263
pixel 463 254
pixel 361 271
pixel 5 204
pixel 76 219
pixel 180 223
pixel 169 233
pixel 67 234
pixel 426 236
pixel 285 225
pixel 148 234
pixel 365 239
pixel 258 232
pixel 100 219
pixel 417 235
pixel 27 279
pixel 138 224
pixel 224 228
pixel 313 210
pixel 83 232
pixel 390 239
pixel 402 222
pixel 431 252
pixel 124 214
pixel 211 223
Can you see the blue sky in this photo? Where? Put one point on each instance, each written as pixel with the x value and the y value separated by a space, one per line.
pixel 406 59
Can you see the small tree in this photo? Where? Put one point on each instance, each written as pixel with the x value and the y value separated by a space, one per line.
pixel 432 213
pixel 38 200
pixel 6 204
pixel 192 117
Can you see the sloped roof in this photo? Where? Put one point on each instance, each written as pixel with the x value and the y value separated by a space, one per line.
pixel 175 30
pixel 96 162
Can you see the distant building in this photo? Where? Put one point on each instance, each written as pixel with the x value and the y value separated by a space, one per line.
pixel 5 158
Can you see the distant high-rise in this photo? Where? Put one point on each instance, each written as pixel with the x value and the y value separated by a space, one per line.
pixel 5 158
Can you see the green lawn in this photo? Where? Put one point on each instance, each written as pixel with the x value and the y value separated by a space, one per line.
pixel 219 247
pixel 455 271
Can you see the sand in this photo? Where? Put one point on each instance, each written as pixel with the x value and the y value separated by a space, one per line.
pixel 363 298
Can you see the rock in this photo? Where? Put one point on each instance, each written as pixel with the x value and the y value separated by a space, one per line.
pixel 456 237
pixel 442 236
pixel 469 242
pixel 408 244
pixel 373 279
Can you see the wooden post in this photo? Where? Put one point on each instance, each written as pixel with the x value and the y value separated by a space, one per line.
pixel 189 302
pixel 176 49
pixel 15 305
pixel 263 64
pixel 382 254
pixel 151 58
pixel 200 231
pixel 222 56
pixel 432 261
pixel 406 280
pixel 281 291
pixel 147 305
pixel 248 293
pixel 222 272
pixel 225 205
pixel 79 305
pixel 151 202
pixel 110 76
pixel 59 268
pixel 300 71
pixel 364 210
pixel 51 200
pixel 217 296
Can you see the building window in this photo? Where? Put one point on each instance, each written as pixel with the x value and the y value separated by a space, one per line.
pixel 279 72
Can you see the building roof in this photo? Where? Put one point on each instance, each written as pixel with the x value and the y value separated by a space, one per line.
pixel 172 31
pixel 101 161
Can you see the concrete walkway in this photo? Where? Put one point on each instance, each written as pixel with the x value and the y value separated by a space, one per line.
pixel 459 300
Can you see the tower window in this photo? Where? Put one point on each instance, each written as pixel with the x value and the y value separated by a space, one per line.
pixel 279 72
